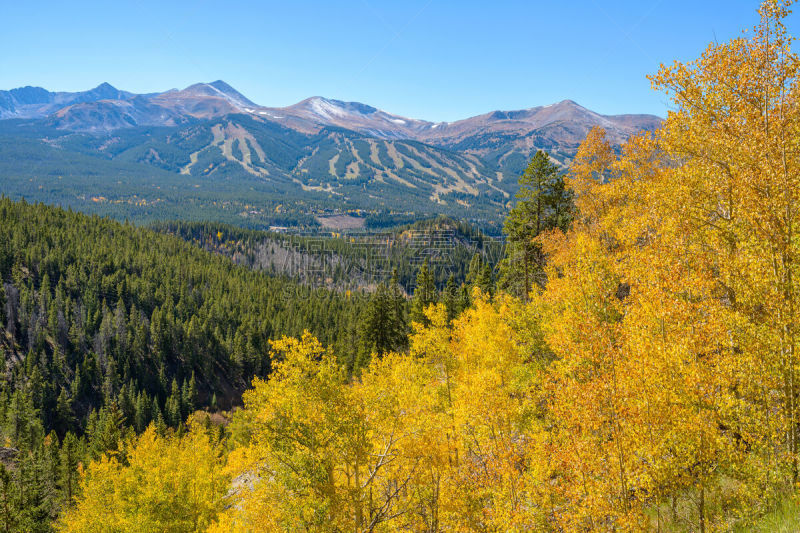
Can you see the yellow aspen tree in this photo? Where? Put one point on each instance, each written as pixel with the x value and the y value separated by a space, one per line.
pixel 399 392
pixel 639 386
pixel 670 303
pixel 328 455
pixel 488 381
pixel 166 483
pixel 736 189
pixel 496 412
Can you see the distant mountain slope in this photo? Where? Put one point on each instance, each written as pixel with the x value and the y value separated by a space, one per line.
pixel 344 165
pixel 170 108
pixel 218 89
pixel 106 109
pixel 318 154
pixel 317 111
pixel 35 102
pixel 503 139
pixel 359 117
pixel 523 122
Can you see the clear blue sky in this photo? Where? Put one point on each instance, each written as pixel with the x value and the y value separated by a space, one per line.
pixel 432 59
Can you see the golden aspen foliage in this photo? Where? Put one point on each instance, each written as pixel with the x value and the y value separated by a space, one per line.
pixel 327 455
pixel 488 377
pixel 169 483
pixel 735 130
pixel 447 437
pixel 670 302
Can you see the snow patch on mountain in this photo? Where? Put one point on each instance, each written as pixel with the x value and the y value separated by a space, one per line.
pixel 326 109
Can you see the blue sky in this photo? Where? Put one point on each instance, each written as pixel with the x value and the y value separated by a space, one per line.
pixel 432 59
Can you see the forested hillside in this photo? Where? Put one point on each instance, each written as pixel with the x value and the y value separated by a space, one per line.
pixel 106 328
pixel 77 284
pixel 351 261
pixel 103 323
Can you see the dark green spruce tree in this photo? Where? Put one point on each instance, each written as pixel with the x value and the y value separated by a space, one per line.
pixel 425 294
pixel 383 323
pixel 543 203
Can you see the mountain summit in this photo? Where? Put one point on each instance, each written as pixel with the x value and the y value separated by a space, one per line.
pixel 220 89
pixel 36 102
pixel 312 113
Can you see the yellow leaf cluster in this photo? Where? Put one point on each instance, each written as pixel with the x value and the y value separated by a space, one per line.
pixel 165 483
pixel 443 438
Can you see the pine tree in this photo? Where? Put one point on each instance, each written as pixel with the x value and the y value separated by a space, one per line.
pixel 485 281
pixel 37 505
pixel 8 503
pixel 172 409
pixel 156 416
pixel 64 414
pixel 70 458
pixel 105 430
pixel 450 298
pixel 190 395
pixel 2 303
pixel 23 423
pixel 543 203
pixel 475 269
pixel 375 327
pixel 143 412
pixel 424 294
pixel 213 404
pixel 399 330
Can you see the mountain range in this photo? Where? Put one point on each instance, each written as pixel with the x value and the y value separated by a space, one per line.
pixel 318 154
